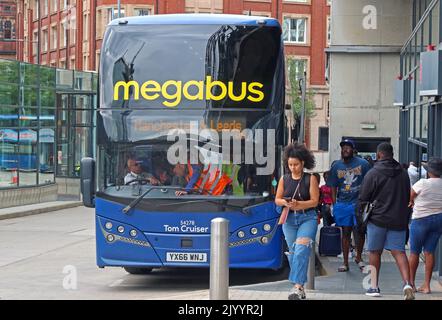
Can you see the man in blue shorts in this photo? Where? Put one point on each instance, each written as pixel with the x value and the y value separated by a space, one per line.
pixel 345 178
pixel 389 185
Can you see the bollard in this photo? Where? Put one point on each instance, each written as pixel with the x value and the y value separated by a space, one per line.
pixel 311 268
pixel 219 259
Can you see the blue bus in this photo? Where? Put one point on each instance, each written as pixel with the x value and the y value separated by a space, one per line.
pixel 188 76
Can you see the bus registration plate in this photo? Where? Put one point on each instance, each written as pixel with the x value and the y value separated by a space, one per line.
pixel 186 257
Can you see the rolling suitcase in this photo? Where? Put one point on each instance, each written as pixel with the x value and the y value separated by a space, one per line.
pixel 330 241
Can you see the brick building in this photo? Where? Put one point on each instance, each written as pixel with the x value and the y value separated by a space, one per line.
pixel 8 14
pixel 71 33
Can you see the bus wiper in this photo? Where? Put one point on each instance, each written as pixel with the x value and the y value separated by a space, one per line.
pixel 137 200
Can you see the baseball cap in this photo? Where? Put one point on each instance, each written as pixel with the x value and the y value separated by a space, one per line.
pixel 347 142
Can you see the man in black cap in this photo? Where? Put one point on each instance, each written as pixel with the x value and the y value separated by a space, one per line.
pixel 345 178
pixel 426 223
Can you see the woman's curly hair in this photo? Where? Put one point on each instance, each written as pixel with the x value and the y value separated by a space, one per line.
pixel 300 152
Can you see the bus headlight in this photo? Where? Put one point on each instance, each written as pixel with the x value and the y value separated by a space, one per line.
pixel 108 225
pixel 265 240
pixel 120 229
pixel 267 227
pixel 254 231
pixel 133 233
pixel 110 238
pixel 241 234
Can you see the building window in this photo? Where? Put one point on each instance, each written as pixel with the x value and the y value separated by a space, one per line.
pixel 295 30
pixel 142 11
pixel 35 11
pixel 328 30
pixel 85 64
pixel 99 23
pixel 7 31
pixel 54 37
pixel 72 64
pixel 112 13
pixel 35 42
pixel 45 7
pixel 63 34
pixel 323 139
pixel 72 31
pixel 54 5
pixel 44 40
pixel 85 27
pixel 296 68
pixel 63 64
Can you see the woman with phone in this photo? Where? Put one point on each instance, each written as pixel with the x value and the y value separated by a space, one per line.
pixel 298 191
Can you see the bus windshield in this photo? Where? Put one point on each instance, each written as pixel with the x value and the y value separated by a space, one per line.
pixel 189 66
pixel 148 165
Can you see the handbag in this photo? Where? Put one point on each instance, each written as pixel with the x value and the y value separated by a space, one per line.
pixel 285 210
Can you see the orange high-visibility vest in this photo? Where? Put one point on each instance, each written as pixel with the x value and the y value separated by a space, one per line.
pixel 210 182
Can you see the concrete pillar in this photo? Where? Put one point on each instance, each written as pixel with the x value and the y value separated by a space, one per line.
pixel 364 61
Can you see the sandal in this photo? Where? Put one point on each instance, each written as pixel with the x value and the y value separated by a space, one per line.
pixel 343 268
pixel 360 264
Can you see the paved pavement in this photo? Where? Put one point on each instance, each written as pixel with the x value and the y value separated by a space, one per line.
pixel 32 209
pixel 333 286
pixel 37 252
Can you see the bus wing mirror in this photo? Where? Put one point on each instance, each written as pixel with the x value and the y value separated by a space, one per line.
pixel 87 171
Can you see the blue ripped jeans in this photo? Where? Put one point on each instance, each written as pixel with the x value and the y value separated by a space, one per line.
pixel 297 226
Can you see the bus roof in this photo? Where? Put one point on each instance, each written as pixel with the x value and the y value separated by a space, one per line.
pixel 196 19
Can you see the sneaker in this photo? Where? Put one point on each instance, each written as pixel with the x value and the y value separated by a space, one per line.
pixel 373 292
pixel 296 294
pixel 408 292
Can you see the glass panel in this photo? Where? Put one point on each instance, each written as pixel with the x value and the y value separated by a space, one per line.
pixel 8 158
pixel 9 71
pixel 81 117
pixel 83 80
pixel 47 160
pixel 62 159
pixel 411 113
pixel 47 77
pixel 81 147
pixel 82 102
pixel 418 122
pixel 62 119
pixel 435 24
pixel 425 123
pixel 30 97
pixel 29 117
pixel 27 159
pixel 47 98
pixel 9 94
pixel 47 117
pixel 8 117
pixel 29 74
pixel 286 29
pixel 65 79
pixel 94 82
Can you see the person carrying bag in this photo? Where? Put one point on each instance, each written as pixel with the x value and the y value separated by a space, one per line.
pixel 298 195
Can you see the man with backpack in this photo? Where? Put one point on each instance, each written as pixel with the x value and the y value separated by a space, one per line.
pixel 387 187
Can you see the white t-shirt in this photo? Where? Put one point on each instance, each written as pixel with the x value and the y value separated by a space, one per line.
pixel 429 198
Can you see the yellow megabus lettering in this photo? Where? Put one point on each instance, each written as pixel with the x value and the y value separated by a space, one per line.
pixel 172 91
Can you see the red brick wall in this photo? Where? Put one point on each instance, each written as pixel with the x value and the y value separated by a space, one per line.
pixel 316 9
